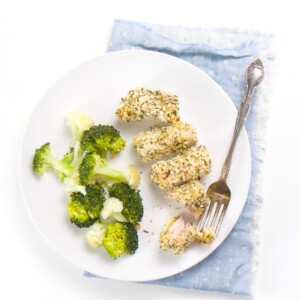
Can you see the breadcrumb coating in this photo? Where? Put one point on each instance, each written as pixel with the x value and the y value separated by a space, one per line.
pixel 191 164
pixel 205 236
pixel 162 141
pixel 191 195
pixel 145 104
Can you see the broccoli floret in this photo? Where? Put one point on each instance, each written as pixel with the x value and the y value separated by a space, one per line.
pixel 44 160
pixel 78 122
pixel 94 169
pixel 132 202
pixel 120 238
pixel 84 210
pixel 102 139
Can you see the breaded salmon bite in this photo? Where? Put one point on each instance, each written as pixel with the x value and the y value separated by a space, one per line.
pixel 162 141
pixel 145 104
pixel 177 235
pixel 191 195
pixel 190 165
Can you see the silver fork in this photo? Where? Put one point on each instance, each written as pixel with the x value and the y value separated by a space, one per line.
pixel 219 192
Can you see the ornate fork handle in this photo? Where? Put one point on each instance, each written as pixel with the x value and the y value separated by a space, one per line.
pixel 252 74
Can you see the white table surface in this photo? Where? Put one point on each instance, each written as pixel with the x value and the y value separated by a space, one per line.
pixel 41 40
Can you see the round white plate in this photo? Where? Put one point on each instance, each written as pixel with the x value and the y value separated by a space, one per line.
pixel 96 88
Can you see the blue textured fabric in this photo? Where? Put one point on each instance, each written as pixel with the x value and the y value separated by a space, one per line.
pixel 231 268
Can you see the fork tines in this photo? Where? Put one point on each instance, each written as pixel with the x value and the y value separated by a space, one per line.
pixel 213 216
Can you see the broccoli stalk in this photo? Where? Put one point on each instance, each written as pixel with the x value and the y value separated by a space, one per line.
pixel 44 160
pixel 74 158
pixel 69 156
pixel 95 169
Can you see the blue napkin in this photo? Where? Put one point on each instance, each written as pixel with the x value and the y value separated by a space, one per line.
pixel 232 267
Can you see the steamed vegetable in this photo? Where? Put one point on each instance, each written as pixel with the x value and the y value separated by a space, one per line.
pixel 120 238
pixel 84 210
pixel 84 170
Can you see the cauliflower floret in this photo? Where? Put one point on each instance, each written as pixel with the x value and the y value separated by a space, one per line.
pixel 133 177
pixel 96 234
pixel 72 184
pixel 112 210
pixel 78 122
